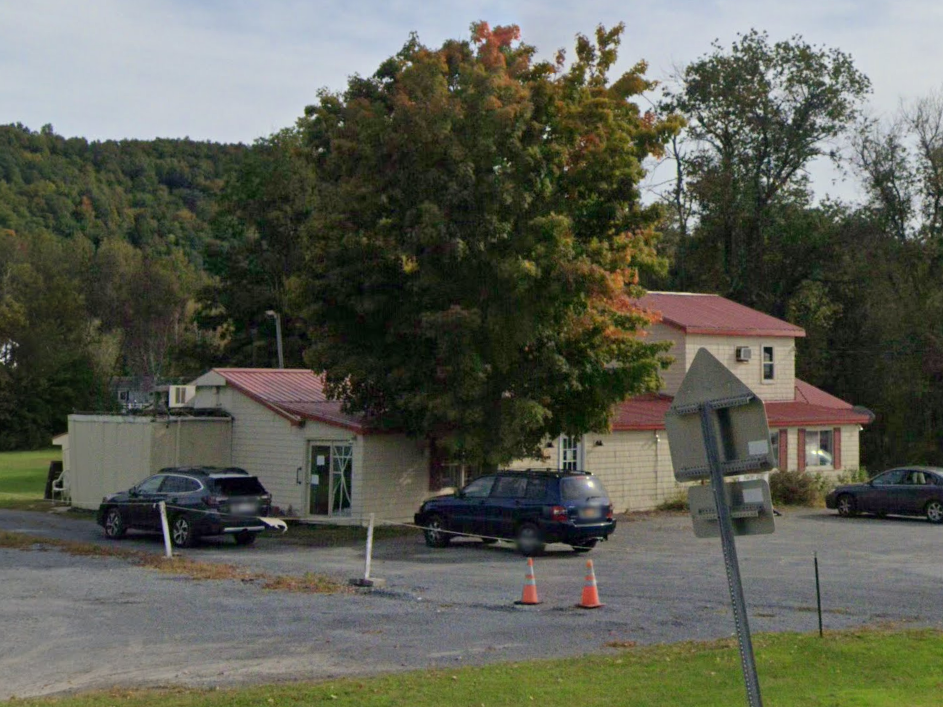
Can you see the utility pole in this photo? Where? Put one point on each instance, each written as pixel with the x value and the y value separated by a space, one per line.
pixel 278 334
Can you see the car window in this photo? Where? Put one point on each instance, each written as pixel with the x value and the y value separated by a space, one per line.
pixel 240 486
pixel 581 488
pixel 918 478
pixel 894 476
pixel 151 485
pixel 536 489
pixel 479 488
pixel 180 484
pixel 509 487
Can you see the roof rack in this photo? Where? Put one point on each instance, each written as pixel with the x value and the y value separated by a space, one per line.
pixel 546 470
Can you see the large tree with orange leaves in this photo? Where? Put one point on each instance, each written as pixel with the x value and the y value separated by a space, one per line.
pixel 477 234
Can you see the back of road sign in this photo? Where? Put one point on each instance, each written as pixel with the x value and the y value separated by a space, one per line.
pixel 751 508
pixel 737 415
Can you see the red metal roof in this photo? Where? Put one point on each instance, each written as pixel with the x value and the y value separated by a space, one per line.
pixel 811 406
pixel 714 315
pixel 296 394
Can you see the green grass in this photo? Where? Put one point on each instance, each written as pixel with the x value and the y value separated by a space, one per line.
pixel 23 477
pixel 871 667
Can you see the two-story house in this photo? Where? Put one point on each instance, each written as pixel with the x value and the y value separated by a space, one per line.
pixel 810 429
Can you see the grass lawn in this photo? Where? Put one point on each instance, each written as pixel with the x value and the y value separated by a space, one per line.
pixel 23 477
pixel 870 667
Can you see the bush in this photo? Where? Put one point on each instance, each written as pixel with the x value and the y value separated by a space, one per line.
pixel 854 476
pixel 677 502
pixel 796 488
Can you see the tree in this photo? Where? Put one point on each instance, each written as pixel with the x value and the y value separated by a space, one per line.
pixel 264 207
pixel 475 239
pixel 757 114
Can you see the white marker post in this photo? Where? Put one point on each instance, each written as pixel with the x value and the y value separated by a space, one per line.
pixel 168 552
pixel 365 581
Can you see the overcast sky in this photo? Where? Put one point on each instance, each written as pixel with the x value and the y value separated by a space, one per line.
pixel 236 70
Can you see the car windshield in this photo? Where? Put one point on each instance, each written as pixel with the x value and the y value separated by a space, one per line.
pixel 239 486
pixel 583 488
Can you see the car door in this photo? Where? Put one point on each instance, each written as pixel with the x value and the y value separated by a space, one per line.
pixel 878 496
pixel 904 497
pixel 144 510
pixel 502 511
pixel 918 488
pixel 468 507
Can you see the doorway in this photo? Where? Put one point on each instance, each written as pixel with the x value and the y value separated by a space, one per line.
pixel 330 478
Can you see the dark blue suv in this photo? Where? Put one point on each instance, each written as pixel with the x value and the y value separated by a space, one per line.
pixel 531 507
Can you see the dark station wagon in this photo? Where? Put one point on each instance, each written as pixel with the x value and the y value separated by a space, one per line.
pixel 200 501
pixel 531 507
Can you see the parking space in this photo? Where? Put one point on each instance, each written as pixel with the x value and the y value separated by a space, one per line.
pixel 92 622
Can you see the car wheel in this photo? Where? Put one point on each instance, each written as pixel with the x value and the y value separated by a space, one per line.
pixel 244 538
pixel 934 511
pixel 585 545
pixel 114 524
pixel 181 531
pixel 529 541
pixel 436 532
pixel 846 505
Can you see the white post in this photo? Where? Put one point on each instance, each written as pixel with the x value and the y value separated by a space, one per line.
pixel 168 552
pixel 366 569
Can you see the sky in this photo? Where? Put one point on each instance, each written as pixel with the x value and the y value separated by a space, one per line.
pixel 237 70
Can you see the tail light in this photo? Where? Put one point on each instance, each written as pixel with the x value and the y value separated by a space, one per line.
pixel 212 501
pixel 608 512
pixel 559 514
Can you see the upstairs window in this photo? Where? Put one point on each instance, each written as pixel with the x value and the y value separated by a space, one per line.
pixel 769 367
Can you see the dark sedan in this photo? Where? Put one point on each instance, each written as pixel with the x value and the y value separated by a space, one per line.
pixel 907 491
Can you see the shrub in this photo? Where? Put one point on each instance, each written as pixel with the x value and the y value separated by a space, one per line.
pixel 854 476
pixel 677 502
pixel 796 488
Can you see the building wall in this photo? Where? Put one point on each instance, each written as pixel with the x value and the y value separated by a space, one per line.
pixel 673 376
pixel 111 453
pixel 685 347
pixel 394 478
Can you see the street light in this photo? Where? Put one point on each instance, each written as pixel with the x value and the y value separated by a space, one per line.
pixel 278 335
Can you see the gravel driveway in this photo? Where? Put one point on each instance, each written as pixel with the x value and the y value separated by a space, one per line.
pixel 80 622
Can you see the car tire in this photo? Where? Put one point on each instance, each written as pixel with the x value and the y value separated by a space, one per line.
pixel 181 531
pixel 846 505
pixel 585 545
pixel 934 511
pixel 115 527
pixel 244 538
pixel 529 540
pixel 436 532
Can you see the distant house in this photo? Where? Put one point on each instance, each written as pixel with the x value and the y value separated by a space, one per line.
pixel 810 429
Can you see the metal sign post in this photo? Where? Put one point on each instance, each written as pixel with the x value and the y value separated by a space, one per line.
pixel 717 427
pixel 732 564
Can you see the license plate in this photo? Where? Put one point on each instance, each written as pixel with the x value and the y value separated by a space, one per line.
pixel 590 513
pixel 246 508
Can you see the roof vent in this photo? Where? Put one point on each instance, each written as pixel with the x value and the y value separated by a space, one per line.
pixel 744 353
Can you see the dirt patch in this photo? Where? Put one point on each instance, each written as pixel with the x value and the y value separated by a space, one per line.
pixel 182 566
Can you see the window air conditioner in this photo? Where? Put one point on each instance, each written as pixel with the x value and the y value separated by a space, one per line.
pixel 744 353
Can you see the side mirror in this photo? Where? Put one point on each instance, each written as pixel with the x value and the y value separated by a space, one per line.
pixel 134 491
pixel 459 494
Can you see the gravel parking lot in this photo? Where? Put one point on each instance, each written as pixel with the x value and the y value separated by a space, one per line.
pixel 79 622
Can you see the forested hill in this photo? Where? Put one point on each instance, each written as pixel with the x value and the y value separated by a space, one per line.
pixel 157 195
pixel 101 263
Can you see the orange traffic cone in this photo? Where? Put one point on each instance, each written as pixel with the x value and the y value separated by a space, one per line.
pixel 530 585
pixel 590 599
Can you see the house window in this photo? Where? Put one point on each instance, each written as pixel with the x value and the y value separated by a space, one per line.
pixel 774 443
pixel 570 448
pixel 769 368
pixel 818 448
